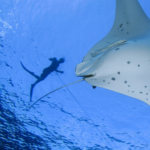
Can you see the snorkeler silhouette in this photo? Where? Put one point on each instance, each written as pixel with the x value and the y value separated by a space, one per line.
pixel 53 67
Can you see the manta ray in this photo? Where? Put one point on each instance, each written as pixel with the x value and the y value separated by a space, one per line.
pixel 121 60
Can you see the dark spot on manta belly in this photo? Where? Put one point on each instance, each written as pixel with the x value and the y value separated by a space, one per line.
pixel 128 62
pixel 118 72
pixel 117 49
pixel 121 25
pixel 113 78
pixel 138 65
pixel 125 81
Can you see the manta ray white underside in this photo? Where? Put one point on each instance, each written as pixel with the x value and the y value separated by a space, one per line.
pixel 121 61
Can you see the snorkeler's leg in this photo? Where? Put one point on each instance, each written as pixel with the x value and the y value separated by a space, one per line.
pixel 31 89
pixel 32 73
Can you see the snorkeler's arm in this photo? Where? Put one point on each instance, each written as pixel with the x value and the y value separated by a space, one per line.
pixel 52 59
pixel 59 71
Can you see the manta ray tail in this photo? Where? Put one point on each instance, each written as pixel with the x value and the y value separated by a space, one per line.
pixel 32 73
pixel 32 86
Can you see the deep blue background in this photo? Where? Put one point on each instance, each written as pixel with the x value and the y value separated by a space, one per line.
pixel 76 117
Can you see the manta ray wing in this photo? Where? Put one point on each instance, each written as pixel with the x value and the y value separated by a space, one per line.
pixel 130 21
pixel 121 61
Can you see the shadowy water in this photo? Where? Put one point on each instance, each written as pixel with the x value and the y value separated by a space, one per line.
pixel 14 135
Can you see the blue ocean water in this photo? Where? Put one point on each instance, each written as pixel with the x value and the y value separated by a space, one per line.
pixel 39 33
